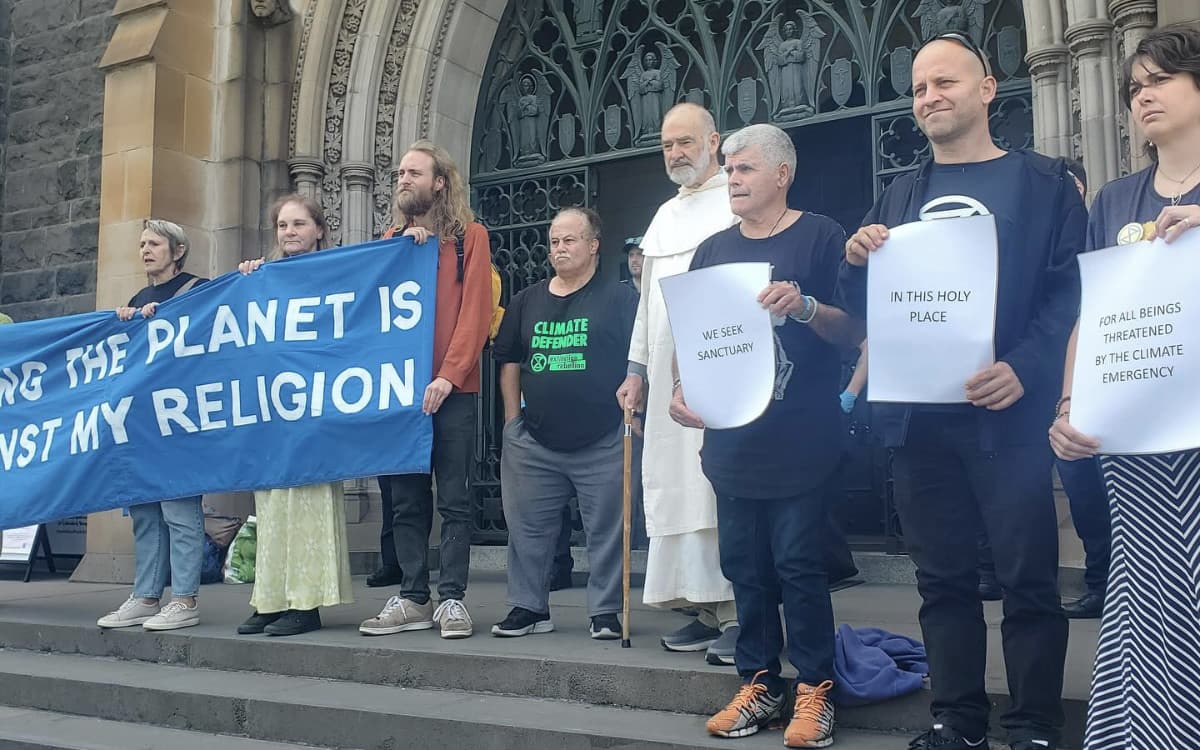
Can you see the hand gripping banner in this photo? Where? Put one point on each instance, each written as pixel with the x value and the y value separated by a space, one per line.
pixel 311 369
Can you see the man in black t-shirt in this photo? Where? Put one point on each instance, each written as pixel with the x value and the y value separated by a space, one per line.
pixel 985 462
pixel 562 346
pixel 770 475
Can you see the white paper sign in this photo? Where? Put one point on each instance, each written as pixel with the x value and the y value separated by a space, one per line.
pixel 724 341
pixel 931 310
pixel 1137 355
pixel 18 544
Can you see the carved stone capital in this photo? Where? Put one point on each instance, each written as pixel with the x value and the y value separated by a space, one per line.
pixel 306 169
pixel 1046 61
pixel 358 175
pixel 1133 14
pixel 1090 37
pixel 271 12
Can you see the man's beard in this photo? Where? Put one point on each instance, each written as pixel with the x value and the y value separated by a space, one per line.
pixel 414 203
pixel 688 174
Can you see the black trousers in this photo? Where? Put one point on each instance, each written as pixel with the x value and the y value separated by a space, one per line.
pixel 412 506
pixel 947 489
pixel 1084 484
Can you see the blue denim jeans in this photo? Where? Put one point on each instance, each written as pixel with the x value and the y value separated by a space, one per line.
pixel 168 540
pixel 773 552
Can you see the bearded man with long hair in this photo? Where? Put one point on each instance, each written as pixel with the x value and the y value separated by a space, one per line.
pixel 430 201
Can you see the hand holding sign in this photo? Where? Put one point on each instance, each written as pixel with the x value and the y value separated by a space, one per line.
pixel 931 314
pixel 724 342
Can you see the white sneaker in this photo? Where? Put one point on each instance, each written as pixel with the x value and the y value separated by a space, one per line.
pixel 174 616
pixel 132 612
pixel 452 617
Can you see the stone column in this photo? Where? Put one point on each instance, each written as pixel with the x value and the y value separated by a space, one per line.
pixel 1133 19
pixel 357 202
pixel 307 173
pixel 1051 99
pixel 1090 42
pixel 173 147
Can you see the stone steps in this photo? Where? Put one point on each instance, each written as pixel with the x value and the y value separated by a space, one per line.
pixel 560 669
pixel 332 713
pixel 31 729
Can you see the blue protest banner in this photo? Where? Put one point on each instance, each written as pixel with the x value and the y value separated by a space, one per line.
pixel 309 370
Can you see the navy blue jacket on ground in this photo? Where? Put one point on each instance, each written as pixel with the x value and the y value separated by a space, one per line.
pixel 1037 299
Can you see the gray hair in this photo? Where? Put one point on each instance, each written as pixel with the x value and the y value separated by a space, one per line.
pixel 774 144
pixel 173 234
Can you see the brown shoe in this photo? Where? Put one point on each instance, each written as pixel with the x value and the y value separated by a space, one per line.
pixel 812 717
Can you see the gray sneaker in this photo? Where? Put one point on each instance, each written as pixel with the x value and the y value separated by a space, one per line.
pixel 453 619
pixel 132 612
pixel 399 615
pixel 721 653
pixel 174 616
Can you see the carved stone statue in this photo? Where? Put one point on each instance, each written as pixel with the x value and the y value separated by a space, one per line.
pixel 589 19
pixel 652 86
pixel 271 12
pixel 965 16
pixel 792 57
pixel 526 104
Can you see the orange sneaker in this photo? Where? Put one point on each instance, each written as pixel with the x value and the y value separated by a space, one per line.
pixel 750 710
pixel 812 717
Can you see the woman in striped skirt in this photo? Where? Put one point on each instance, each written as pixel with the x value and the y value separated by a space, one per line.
pixel 1146 684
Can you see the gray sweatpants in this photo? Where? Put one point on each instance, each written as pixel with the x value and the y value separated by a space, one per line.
pixel 536 483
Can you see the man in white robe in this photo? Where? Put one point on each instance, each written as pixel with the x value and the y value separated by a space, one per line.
pixel 683 568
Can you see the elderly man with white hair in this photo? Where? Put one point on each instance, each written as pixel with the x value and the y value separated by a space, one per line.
pixel 683 567
pixel 770 475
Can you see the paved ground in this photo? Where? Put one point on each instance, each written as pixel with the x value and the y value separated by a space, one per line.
pixel 55 601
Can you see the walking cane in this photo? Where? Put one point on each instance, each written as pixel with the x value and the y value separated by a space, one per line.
pixel 627 513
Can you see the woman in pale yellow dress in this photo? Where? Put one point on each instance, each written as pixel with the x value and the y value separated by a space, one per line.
pixel 303 559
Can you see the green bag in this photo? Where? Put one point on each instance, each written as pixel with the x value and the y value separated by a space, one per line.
pixel 239 564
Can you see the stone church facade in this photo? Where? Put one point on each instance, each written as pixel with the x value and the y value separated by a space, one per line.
pixel 203 111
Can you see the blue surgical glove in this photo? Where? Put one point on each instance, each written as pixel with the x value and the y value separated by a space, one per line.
pixel 848 398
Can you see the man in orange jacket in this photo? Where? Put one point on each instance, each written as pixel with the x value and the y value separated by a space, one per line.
pixel 432 202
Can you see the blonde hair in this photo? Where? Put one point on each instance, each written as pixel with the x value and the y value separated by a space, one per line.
pixel 314 211
pixel 451 211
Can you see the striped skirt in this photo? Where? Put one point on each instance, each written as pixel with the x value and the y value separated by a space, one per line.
pixel 1146 684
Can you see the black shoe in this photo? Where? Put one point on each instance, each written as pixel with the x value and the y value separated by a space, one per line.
pixel 295 622
pixel 721 653
pixel 989 588
pixel 605 628
pixel 942 737
pixel 561 579
pixel 1032 745
pixel 385 576
pixel 695 636
pixel 1089 607
pixel 521 621
pixel 256 623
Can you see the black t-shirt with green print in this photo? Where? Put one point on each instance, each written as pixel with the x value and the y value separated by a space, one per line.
pixel 573 353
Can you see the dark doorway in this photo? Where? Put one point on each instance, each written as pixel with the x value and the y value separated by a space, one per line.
pixel 833 170
pixel 629 191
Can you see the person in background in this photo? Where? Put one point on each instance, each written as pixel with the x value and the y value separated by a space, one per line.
pixel 303 557
pixel 1083 482
pixel 1146 680
pixel 168 536
pixel 633 262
